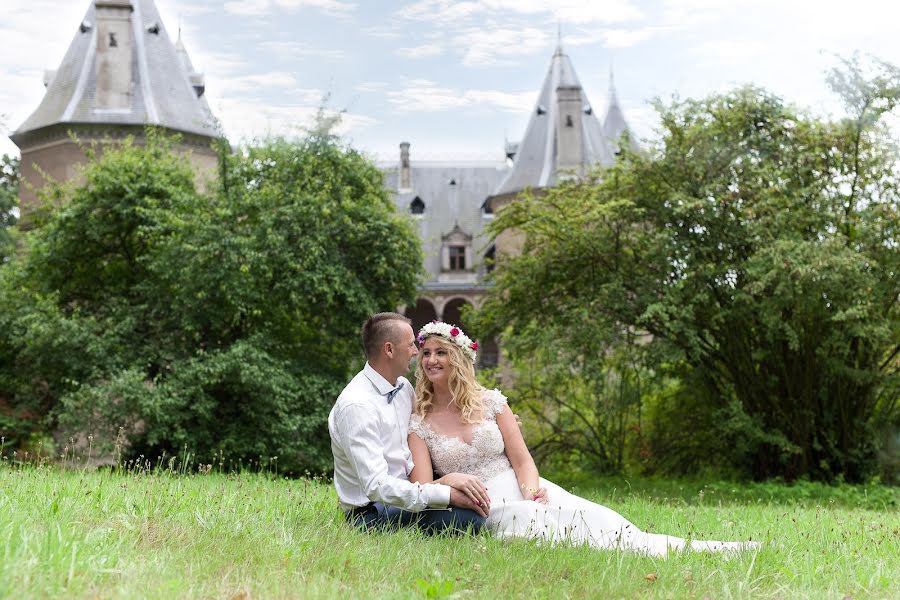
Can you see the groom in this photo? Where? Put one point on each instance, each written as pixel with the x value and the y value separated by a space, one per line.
pixel 372 462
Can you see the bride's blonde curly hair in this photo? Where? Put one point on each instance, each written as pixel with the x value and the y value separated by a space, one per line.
pixel 465 391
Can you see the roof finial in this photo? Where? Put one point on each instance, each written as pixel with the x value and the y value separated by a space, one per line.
pixel 559 49
pixel 613 97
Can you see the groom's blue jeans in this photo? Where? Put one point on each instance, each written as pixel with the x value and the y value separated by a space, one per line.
pixel 456 520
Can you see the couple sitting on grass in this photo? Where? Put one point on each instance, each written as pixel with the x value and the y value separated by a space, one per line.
pixel 389 441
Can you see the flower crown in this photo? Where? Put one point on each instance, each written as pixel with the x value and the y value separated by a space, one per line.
pixel 451 333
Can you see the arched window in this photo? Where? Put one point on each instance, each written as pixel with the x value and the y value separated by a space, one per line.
pixel 417 207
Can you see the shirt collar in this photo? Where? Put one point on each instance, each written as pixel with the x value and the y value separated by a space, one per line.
pixel 381 384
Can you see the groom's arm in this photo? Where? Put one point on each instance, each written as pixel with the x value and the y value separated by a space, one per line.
pixel 466 491
pixel 358 428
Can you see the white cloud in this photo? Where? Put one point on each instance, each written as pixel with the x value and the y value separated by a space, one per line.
pixel 730 51
pixel 249 118
pixel 237 85
pixel 417 52
pixel 422 95
pixel 626 38
pixel 371 86
pixel 482 47
pixel 566 11
pixel 260 8
pixel 295 50
pixel 391 32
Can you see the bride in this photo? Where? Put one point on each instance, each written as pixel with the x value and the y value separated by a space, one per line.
pixel 458 426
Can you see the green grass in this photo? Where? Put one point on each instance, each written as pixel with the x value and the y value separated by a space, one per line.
pixel 145 534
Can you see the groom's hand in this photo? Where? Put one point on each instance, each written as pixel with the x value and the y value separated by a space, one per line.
pixel 462 500
pixel 469 485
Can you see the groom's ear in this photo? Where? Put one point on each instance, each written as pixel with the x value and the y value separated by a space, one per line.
pixel 388 349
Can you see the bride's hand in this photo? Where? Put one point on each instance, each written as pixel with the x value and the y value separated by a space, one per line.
pixel 541 496
pixel 470 485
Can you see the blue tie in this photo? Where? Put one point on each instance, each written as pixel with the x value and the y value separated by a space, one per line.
pixel 393 392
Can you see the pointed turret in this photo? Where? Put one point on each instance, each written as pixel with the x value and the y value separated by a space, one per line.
pixel 563 137
pixel 197 79
pixel 614 124
pixel 120 73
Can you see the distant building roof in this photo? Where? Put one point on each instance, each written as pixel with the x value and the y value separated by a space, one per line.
pixel 165 93
pixel 535 157
pixel 453 195
pixel 614 124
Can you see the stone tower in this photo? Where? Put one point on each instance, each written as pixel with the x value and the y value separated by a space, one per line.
pixel 564 138
pixel 121 73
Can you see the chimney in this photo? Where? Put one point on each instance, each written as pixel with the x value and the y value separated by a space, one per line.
pixel 405 171
pixel 114 54
pixel 569 139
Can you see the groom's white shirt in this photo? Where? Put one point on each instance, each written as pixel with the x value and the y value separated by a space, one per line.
pixel 372 460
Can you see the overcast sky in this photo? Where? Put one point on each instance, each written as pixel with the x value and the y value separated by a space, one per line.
pixel 455 78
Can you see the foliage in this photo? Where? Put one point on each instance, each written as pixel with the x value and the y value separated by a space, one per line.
pixel 756 243
pixel 9 200
pixel 224 324
pixel 585 409
pixel 156 533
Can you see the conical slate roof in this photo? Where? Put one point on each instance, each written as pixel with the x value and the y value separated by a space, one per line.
pixel 535 162
pixel 614 124
pixel 163 91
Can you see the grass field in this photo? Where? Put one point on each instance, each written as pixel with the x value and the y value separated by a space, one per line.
pixel 157 534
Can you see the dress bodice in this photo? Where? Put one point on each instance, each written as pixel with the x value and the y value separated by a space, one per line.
pixel 485 457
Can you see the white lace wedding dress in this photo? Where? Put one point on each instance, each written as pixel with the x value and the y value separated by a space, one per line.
pixel 566 518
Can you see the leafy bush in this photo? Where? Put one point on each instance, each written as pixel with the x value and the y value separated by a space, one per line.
pixel 754 242
pixel 225 324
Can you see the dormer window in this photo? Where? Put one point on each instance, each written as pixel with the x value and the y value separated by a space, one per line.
pixel 456 251
pixel 457 256
pixel 417 206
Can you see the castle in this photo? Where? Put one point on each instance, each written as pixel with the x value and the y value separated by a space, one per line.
pixel 122 72
pixel 453 202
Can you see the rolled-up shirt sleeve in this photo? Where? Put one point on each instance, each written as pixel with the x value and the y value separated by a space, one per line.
pixel 360 438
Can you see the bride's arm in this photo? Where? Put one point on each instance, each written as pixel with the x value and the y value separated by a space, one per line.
pixel 519 456
pixel 474 492
pixel 422 471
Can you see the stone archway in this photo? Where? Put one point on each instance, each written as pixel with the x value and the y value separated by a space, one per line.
pixel 420 314
pixel 488 352
pixel 452 312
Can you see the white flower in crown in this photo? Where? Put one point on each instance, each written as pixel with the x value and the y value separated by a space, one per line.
pixel 449 332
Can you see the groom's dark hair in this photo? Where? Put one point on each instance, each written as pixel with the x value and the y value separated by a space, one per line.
pixel 378 329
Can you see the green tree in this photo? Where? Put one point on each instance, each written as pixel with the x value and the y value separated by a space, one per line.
pixel 225 324
pixel 755 242
pixel 9 200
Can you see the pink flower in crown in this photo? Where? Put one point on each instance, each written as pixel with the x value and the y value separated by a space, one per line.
pixel 454 332
pixel 475 346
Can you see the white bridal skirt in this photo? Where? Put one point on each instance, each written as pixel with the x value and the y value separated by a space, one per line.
pixel 572 520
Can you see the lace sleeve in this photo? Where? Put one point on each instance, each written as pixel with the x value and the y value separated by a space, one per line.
pixel 417 426
pixel 494 401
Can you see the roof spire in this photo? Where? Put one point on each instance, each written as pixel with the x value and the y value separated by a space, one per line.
pixel 613 98
pixel 559 48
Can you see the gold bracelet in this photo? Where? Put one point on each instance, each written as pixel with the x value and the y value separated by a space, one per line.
pixel 528 489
